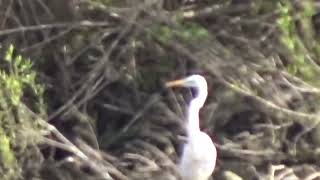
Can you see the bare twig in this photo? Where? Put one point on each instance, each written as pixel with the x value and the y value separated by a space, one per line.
pixel 54 25
pixel 313 176
pixel 271 108
pixel 70 147
pixel 273 169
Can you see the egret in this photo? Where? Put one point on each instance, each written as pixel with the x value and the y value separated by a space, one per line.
pixel 199 153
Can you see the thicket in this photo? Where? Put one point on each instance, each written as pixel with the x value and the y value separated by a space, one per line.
pixel 82 96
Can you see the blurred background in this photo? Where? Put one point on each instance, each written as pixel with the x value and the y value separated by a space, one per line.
pixel 82 87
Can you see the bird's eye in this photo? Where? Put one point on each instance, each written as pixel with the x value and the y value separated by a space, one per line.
pixel 193 92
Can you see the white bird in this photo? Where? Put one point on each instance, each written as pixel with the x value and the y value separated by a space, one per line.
pixel 199 153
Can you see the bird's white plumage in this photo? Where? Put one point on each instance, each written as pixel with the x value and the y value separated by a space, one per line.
pixel 198 158
pixel 199 153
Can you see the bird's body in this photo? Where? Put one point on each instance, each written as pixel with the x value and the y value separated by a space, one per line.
pixel 198 158
pixel 199 153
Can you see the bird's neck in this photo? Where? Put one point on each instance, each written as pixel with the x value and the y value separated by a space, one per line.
pixel 193 118
pixel 193 111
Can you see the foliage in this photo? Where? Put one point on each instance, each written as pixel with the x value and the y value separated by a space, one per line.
pixel 188 32
pixel 19 75
pixel 9 167
pixel 15 122
pixel 287 22
pixel 104 69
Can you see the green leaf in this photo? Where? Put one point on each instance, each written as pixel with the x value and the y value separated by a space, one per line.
pixel 9 53
pixel 6 153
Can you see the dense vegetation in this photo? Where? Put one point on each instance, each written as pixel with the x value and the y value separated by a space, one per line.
pixel 82 96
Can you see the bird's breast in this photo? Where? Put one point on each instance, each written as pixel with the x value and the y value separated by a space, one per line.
pixel 198 158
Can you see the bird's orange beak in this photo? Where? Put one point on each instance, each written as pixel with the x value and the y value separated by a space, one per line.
pixel 174 83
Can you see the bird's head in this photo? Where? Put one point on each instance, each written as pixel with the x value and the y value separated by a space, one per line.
pixel 195 81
